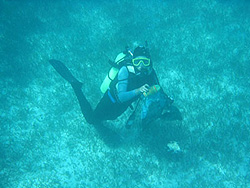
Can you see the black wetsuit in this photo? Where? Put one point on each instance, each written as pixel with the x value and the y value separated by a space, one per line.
pixel 118 98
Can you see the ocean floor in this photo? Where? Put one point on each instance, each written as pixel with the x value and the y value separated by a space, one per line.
pixel 200 51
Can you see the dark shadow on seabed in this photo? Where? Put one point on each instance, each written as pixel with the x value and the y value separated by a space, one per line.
pixel 110 137
pixel 155 139
pixel 160 133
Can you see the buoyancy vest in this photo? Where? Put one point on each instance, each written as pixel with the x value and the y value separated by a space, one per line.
pixel 135 80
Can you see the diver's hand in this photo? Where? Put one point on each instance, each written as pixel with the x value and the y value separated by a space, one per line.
pixel 143 89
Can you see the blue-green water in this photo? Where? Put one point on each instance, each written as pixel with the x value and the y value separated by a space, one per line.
pixel 200 50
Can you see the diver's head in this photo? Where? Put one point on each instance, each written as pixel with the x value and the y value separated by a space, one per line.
pixel 141 60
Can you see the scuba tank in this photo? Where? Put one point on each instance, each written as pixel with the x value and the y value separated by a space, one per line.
pixel 119 60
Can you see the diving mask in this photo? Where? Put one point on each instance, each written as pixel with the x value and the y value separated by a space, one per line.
pixel 141 60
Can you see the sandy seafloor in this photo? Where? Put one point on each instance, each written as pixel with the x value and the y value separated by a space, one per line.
pixel 200 50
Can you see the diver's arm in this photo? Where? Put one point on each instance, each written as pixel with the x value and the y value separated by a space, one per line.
pixel 122 85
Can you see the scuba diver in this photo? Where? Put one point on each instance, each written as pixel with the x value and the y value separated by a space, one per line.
pixel 133 77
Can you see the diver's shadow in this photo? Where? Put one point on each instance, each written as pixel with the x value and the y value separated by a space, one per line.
pixel 157 139
pixel 110 137
pixel 148 135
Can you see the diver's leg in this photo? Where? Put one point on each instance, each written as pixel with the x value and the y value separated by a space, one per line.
pixel 85 106
pixel 108 110
pixel 104 108
pixel 76 85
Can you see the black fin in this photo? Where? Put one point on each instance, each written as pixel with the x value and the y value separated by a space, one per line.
pixel 64 72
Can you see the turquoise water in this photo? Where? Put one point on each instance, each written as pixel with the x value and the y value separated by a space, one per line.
pixel 200 50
